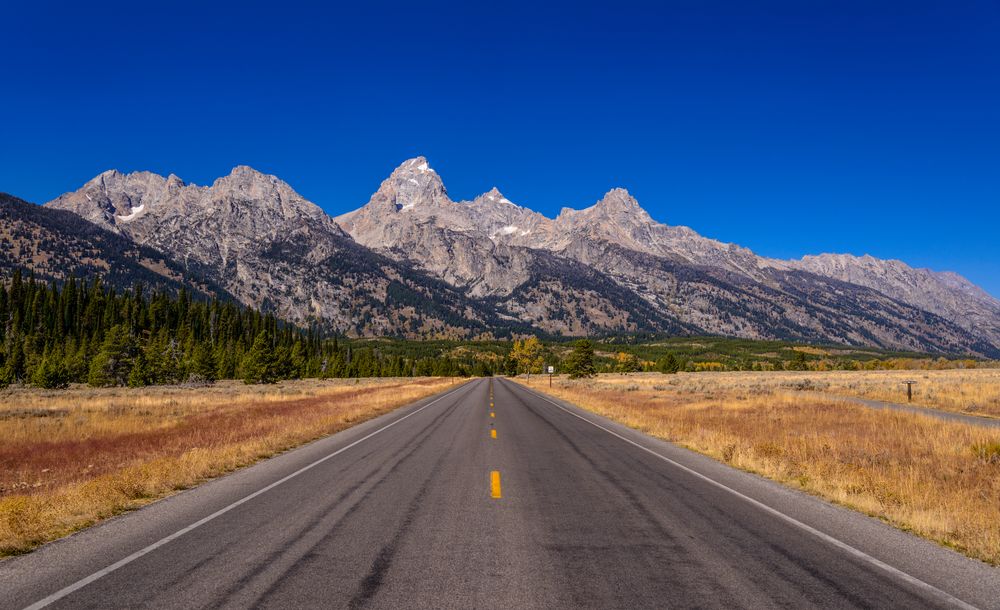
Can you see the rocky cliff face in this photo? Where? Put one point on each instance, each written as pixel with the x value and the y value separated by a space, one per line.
pixel 272 249
pixel 946 294
pixel 411 218
pixel 56 244
pixel 491 245
pixel 412 261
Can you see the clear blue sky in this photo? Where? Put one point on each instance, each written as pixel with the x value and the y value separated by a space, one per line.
pixel 788 127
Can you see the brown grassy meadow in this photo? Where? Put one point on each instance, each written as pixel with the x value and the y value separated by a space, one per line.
pixel 938 479
pixel 69 458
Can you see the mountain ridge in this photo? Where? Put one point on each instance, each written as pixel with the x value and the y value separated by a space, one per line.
pixel 507 261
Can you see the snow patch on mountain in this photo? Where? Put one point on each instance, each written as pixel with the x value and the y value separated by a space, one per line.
pixel 133 214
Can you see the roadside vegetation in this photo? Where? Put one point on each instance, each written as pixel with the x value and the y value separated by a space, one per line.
pixel 668 355
pixel 53 335
pixel 938 479
pixel 70 458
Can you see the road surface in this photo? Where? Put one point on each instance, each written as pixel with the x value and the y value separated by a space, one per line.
pixel 539 505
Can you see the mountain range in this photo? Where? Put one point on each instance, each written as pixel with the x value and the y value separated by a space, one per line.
pixel 413 262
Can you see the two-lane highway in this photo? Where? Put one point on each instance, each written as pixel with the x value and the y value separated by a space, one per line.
pixel 492 496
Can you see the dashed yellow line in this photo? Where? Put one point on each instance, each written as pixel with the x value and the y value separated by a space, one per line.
pixel 493 433
pixel 493 414
pixel 495 484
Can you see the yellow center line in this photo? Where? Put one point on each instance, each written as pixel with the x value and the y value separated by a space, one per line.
pixel 493 414
pixel 493 433
pixel 495 484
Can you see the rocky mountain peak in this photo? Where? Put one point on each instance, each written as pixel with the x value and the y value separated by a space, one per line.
pixel 411 184
pixel 615 213
pixel 416 164
pixel 247 183
pixel 258 237
pixel 105 175
pixel 619 203
pixel 619 199
pixel 244 176
pixel 493 196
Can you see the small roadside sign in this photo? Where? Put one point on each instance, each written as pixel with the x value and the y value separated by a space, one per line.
pixel 552 369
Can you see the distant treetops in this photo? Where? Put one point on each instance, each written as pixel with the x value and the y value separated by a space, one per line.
pixel 52 335
pixel 85 332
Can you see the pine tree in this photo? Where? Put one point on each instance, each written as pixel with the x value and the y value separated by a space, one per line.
pixel 259 363
pixel 580 362
pixel 113 363
pixel 668 365
pixel 141 373
pixel 50 372
pixel 203 366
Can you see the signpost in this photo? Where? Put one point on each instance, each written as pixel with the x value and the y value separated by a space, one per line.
pixel 909 390
pixel 551 370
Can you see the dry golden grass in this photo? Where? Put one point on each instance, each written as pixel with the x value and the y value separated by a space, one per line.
pixel 970 391
pixel 938 479
pixel 72 457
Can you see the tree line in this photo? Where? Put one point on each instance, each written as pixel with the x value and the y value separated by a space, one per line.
pixel 85 332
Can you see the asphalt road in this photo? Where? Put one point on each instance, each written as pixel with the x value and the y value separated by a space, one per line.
pixel 405 511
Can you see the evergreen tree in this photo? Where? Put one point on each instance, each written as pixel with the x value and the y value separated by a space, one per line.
pixel 259 364
pixel 87 332
pixel 203 366
pixel 580 362
pixel 799 364
pixel 113 363
pixel 50 372
pixel 668 365
pixel 141 373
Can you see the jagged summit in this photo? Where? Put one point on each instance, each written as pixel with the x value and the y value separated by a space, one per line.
pixel 245 169
pixel 416 164
pixel 619 199
pixel 616 200
pixel 493 196
pixel 245 202
pixel 411 184
pixel 246 181
pixel 109 173
pixel 606 267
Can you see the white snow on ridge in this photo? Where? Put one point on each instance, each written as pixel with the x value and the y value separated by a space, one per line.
pixel 510 230
pixel 132 213
pixel 423 167
pixel 505 200
pixel 406 206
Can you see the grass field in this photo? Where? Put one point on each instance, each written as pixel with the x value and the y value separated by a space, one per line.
pixel 970 391
pixel 72 457
pixel 938 479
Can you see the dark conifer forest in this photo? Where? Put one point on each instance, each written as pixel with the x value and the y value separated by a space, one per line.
pixel 86 332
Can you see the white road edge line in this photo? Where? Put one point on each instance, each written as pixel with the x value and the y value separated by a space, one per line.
pixel 916 582
pixel 61 593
